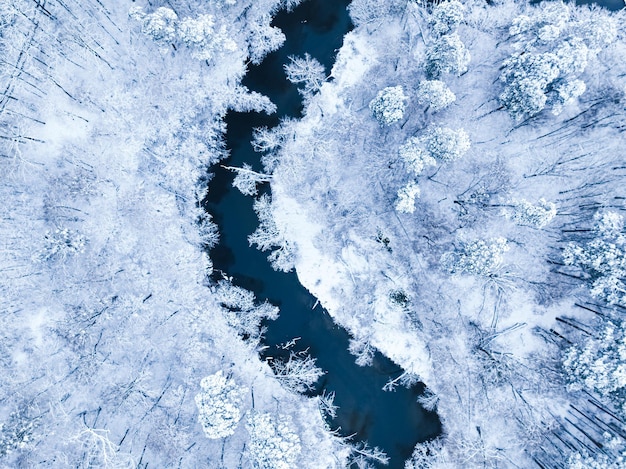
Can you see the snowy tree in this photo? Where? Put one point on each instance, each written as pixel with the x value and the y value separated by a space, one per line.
pixel 447 54
pixel 405 203
pixel 556 50
pixel 200 34
pixel 204 38
pixel 388 106
pixel 159 25
pixel 208 231
pixel 298 373
pixel 363 456
pixel 62 243
pixel 307 71
pixel 99 451
pixel 603 258
pixel 545 25
pixel 415 156
pixel 598 30
pixel 446 144
pixel 427 455
pixel 446 16
pixel 435 94
pixel 597 460
pixel 219 405
pixel 268 237
pixel 370 11
pixel 362 349
pixel 16 431
pixel 247 179
pixel 243 312
pixel 526 78
pixel 273 444
pixel 525 213
pixel 599 364
pixel 263 38
pixel 477 257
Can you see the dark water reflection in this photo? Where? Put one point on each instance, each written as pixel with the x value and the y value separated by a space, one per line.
pixel 391 420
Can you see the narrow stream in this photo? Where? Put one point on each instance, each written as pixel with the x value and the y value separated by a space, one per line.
pixel 393 421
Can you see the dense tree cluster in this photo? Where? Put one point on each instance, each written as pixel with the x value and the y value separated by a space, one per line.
pixel 603 258
pixel 554 50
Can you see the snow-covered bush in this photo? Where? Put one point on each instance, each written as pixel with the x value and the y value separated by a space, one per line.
pixel 537 216
pixel 446 16
pixel 219 405
pixel 447 54
pixel 435 94
pixel 273 444
pixel 388 106
pixel 446 144
pixel 415 156
pixel 477 257
pixel 405 202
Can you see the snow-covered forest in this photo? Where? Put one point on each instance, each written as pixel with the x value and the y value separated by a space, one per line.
pixel 453 195
pixel 116 349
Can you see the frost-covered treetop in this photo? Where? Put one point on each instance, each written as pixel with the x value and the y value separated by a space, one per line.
pixel 545 25
pixel 435 94
pixel 447 16
pixel 549 22
pixel 201 34
pixel 61 243
pixel 447 54
pixel 603 258
pixel 415 156
pixel 405 202
pixel 273 445
pixel 219 405
pixel 388 106
pixel 446 144
pixel 477 257
pixel 535 215
pixel 160 25
pixel 556 49
pixel 600 363
pixel 609 224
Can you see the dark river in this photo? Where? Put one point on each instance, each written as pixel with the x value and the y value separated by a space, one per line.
pixel 393 421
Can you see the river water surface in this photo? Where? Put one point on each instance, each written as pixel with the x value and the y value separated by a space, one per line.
pixel 393 421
